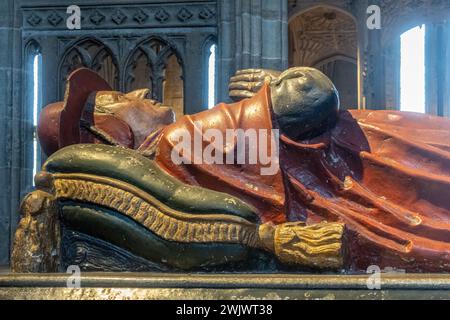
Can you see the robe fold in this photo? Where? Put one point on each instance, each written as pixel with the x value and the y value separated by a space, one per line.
pixel 264 192
pixel 385 174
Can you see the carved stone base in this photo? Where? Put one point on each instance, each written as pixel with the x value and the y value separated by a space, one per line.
pixel 95 286
pixel 37 239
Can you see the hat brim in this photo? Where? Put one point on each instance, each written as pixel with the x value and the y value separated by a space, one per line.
pixel 80 84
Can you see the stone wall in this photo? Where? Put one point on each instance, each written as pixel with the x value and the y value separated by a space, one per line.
pixel 378 55
pixel 14 132
pixel 252 34
pixel 6 71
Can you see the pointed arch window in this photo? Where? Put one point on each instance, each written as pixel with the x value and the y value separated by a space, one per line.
pixel 32 108
pixel 92 54
pixel 412 70
pixel 212 75
pixel 36 105
pixel 210 50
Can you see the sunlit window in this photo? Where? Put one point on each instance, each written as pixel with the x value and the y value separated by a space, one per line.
pixel 212 76
pixel 412 83
pixel 36 102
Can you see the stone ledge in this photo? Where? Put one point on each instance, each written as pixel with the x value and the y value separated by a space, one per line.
pixel 223 286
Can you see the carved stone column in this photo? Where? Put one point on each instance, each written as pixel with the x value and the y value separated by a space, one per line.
pixel 373 67
pixel 252 34
pixel 437 66
pixel 5 104
pixel 446 69
pixel 11 123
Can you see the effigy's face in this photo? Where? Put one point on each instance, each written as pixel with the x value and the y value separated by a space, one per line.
pixel 141 114
pixel 119 103
pixel 148 111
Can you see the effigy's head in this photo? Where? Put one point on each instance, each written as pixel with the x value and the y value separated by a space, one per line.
pixel 141 114
pixel 305 103
pixel 119 103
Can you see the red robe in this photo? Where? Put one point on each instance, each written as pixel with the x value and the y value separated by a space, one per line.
pixel 385 174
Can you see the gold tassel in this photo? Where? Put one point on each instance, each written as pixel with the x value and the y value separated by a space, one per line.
pixel 316 246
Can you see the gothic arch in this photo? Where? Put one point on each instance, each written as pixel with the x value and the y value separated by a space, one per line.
pixel 32 47
pixel 146 66
pixel 321 5
pixel 326 37
pixel 325 61
pixel 319 32
pixel 92 53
